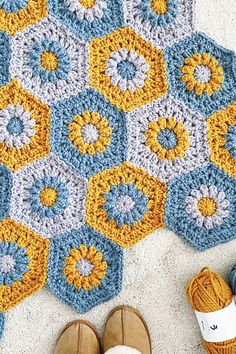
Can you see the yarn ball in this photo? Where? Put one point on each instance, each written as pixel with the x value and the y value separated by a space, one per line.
pixel 232 279
pixel 208 292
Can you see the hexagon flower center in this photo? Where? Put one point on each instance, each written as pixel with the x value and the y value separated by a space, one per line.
pixel 87 3
pixel 85 267
pixel 207 206
pixel 124 204
pixel 49 61
pixel 15 126
pixel 7 264
pixel 202 74
pixel 159 6
pixel 167 138
pixel 48 197
pixel 126 69
pixel 90 133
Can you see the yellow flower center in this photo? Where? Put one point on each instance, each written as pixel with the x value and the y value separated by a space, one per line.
pixel 49 61
pixel 48 197
pixel 159 6
pixel 207 206
pixel 87 3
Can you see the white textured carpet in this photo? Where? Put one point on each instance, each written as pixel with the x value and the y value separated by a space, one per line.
pixel 157 269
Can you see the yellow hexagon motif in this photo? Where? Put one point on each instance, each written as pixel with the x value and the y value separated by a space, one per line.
pixel 125 204
pixel 126 69
pixel 24 127
pixel 23 263
pixel 18 15
pixel 222 139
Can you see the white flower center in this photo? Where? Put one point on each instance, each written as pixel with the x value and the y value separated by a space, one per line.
pixel 85 267
pixel 208 206
pixel 88 10
pixel 90 133
pixel 124 204
pixel 202 74
pixel 7 264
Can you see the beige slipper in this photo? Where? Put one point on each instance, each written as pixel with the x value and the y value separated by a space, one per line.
pixel 78 337
pixel 126 327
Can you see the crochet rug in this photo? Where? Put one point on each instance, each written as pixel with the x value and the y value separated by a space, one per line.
pixel 116 118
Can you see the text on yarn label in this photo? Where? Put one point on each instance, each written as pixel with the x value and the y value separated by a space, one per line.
pixel 218 326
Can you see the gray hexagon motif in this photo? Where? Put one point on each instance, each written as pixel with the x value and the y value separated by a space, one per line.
pixel 167 139
pixel 160 22
pixel 88 19
pixel 49 61
pixel 85 268
pixel 48 197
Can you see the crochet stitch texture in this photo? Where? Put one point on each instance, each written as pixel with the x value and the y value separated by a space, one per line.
pixel 116 118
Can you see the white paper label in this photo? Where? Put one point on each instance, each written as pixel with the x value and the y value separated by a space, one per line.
pixel 218 326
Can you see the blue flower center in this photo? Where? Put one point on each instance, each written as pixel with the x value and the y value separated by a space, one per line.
pixel 126 69
pixel 167 138
pixel 15 126
pixel 230 137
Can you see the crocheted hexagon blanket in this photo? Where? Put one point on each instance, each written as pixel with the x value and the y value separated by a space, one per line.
pixel 116 118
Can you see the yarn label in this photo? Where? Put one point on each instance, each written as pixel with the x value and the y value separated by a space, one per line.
pixel 218 326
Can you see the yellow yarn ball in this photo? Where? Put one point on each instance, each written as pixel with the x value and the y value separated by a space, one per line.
pixel 208 292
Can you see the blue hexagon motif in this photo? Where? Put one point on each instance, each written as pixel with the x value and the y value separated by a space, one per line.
pixel 5 50
pixel 201 73
pixel 88 133
pixel 201 207
pixel 85 268
pixel 88 18
pixel 5 191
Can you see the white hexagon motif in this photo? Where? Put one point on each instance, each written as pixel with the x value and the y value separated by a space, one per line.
pixel 167 139
pixel 49 61
pixel 48 197
pixel 161 22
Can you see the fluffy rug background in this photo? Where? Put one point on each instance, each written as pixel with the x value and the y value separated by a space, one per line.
pixel 157 269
